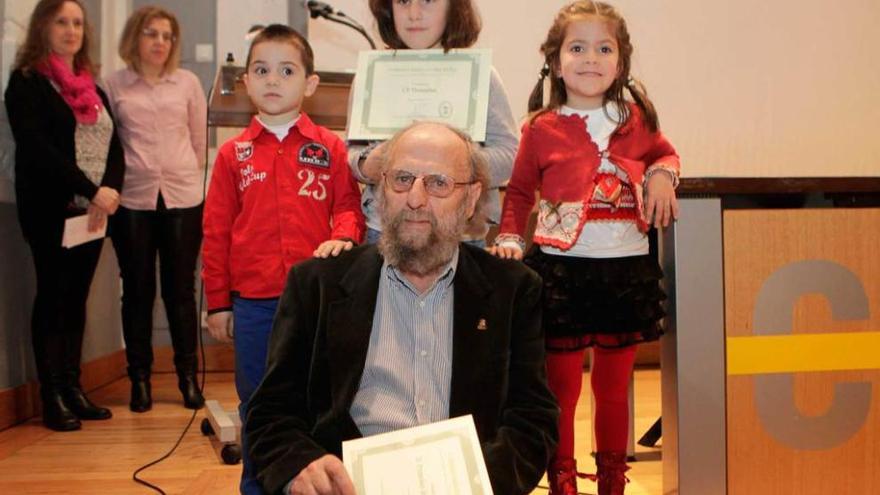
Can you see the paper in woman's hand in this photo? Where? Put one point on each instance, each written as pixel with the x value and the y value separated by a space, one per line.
pixel 76 232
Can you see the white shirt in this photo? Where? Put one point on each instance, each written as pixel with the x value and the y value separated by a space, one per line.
pixel 281 130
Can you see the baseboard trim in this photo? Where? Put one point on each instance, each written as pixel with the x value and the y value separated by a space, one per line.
pixel 19 404
pixel 219 357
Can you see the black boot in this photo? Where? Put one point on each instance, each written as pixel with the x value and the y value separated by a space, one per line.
pixel 189 388
pixel 77 401
pixel 56 415
pixel 141 393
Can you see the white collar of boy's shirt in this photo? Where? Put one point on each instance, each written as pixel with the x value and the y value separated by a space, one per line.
pixel 281 130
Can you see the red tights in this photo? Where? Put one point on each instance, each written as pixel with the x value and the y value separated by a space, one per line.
pixel 611 370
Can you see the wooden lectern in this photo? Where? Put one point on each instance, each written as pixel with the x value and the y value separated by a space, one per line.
pixel 771 362
pixel 328 107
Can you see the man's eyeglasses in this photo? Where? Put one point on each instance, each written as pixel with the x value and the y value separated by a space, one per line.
pixel 437 185
pixel 156 35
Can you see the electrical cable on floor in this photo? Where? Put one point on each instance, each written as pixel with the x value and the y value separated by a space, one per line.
pixel 134 475
pixel 201 384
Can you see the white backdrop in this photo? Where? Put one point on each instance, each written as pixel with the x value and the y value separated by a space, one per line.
pixel 744 88
pixel 235 17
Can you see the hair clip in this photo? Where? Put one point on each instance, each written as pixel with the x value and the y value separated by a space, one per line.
pixel 545 71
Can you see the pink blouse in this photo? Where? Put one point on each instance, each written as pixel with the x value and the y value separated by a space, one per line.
pixel 163 128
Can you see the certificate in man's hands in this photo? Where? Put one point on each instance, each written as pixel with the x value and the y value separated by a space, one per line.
pixel 394 88
pixel 442 458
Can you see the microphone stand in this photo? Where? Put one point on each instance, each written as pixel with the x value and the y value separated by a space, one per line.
pixel 340 18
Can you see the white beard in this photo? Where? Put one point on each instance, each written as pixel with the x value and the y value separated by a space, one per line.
pixel 421 253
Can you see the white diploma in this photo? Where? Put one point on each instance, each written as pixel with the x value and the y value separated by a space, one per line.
pixel 394 88
pixel 76 231
pixel 442 458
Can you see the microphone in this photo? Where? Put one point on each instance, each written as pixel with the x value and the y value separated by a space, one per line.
pixel 317 9
pixel 321 9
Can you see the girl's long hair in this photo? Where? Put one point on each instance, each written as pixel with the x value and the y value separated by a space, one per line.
pixel 552 47
pixel 463 25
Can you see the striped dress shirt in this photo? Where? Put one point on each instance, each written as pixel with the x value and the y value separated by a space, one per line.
pixel 407 374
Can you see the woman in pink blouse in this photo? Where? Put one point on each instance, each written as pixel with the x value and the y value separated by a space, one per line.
pixel 162 116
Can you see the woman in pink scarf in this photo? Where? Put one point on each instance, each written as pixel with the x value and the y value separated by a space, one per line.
pixel 68 162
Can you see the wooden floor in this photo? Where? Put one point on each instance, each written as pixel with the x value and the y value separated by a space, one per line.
pixel 100 458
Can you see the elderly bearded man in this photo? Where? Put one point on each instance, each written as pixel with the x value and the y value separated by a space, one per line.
pixel 415 330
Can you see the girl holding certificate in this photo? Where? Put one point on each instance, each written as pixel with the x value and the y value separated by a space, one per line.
pixel 447 24
pixel 606 174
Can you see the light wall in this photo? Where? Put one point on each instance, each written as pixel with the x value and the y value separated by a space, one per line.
pixel 744 88
pixel 15 14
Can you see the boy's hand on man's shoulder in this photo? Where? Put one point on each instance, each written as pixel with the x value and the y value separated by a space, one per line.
pixel 332 248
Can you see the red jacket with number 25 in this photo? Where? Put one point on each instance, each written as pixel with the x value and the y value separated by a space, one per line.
pixel 270 204
pixel 557 155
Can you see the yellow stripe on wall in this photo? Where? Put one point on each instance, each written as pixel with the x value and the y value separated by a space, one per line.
pixel 808 352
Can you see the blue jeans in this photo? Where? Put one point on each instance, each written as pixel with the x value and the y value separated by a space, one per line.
pixel 252 323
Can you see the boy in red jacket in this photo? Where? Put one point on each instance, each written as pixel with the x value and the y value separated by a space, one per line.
pixel 280 192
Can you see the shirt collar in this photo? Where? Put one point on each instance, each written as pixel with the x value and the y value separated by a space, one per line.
pixel 608 111
pixel 130 76
pixel 447 274
pixel 304 125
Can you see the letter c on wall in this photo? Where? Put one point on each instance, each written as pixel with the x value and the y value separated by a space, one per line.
pixel 774 393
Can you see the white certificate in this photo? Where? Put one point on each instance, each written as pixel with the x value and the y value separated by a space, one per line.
pixel 442 458
pixel 76 231
pixel 394 88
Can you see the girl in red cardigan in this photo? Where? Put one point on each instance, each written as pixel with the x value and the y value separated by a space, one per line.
pixel 606 175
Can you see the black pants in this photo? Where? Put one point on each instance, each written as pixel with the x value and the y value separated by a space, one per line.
pixel 176 235
pixel 64 277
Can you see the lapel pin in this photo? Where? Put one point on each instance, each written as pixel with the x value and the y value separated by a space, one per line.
pixel 481 325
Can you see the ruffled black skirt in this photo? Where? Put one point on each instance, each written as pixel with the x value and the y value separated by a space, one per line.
pixel 606 302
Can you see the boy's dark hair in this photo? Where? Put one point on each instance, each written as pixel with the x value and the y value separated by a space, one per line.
pixel 282 33
pixel 463 25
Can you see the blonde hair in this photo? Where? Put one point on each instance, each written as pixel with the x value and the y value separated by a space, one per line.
pixel 129 42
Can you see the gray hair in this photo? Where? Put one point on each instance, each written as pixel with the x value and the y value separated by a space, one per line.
pixel 476 160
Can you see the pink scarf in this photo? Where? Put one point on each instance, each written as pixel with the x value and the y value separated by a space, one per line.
pixel 78 90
